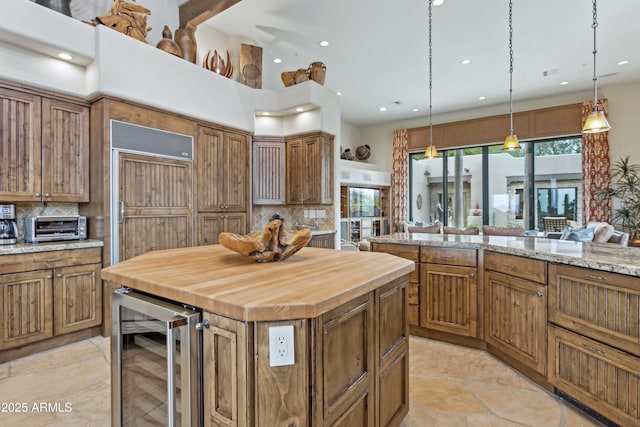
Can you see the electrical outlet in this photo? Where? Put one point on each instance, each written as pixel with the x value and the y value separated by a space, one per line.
pixel 281 348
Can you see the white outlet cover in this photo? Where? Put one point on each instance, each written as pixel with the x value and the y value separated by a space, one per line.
pixel 281 346
pixel 312 213
pixel 321 213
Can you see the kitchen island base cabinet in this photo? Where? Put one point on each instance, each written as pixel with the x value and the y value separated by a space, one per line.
pixel 350 367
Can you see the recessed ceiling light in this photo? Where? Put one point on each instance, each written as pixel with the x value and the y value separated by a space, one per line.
pixel 265 113
pixel 324 43
pixel 481 98
pixel 65 56
pixel 383 109
pixel 415 110
pixel 465 61
pixel 299 109
pixel 277 60
pixel 623 62
pixel 339 93
pixel 438 2
pixel 564 83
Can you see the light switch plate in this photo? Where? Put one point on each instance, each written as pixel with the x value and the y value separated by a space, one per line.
pixel 281 346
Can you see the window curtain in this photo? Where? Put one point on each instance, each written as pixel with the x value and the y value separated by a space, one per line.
pixel 595 168
pixel 400 176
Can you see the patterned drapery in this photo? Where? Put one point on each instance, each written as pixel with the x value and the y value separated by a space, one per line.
pixel 595 168
pixel 400 176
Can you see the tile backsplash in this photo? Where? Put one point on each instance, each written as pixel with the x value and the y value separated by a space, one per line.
pixel 307 214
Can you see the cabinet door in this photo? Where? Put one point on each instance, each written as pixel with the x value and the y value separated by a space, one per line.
pixel 269 166
pixel 65 151
pixel 209 227
pixel 296 177
pixel 20 146
pixel 449 299
pixel 235 223
pixel 516 319
pixel 27 308
pixel 233 172
pixel 208 149
pixel 322 241
pixel 77 295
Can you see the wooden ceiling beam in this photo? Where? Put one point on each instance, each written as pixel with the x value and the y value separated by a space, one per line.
pixel 198 11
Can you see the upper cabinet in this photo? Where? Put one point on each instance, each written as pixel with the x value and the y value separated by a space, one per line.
pixel 44 151
pixel 309 169
pixel 222 170
pixel 269 164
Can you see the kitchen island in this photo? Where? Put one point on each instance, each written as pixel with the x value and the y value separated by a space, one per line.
pixel 350 332
pixel 566 314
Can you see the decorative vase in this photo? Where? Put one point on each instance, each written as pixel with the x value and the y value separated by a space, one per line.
pixel 167 44
pixel 317 72
pixel 288 78
pixel 185 38
pixel 347 154
pixel 363 152
pixel 62 6
pixel 301 76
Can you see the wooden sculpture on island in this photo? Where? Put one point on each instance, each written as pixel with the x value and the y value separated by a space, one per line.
pixel 126 18
pixel 272 244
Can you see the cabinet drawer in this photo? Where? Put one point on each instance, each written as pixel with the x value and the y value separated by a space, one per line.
pixel 449 256
pixel 404 251
pixel 604 306
pixel 603 378
pixel 525 268
pixel 49 259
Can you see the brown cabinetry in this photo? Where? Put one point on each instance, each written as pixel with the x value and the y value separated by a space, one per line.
pixel 269 166
pixel 595 346
pixel 44 149
pixel 322 241
pixel 222 170
pixel 309 169
pixel 449 291
pixel 515 326
pixel 210 225
pixel 48 296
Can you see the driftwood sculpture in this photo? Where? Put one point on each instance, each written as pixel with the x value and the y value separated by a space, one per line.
pixel 272 244
pixel 217 64
pixel 126 18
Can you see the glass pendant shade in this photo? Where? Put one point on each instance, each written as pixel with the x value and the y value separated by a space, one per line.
pixel 511 143
pixel 431 152
pixel 596 122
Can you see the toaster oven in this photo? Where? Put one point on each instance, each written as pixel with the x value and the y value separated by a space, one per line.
pixel 53 228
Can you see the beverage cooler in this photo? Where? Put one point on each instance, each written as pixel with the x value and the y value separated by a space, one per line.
pixel 155 362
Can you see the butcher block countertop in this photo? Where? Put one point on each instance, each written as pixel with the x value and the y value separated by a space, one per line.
pixel 305 285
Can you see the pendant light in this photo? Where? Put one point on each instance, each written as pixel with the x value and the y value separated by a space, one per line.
pixel 431 152
pixel 596 121
pixel 511 141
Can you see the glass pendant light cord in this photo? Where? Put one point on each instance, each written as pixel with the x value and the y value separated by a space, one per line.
pixel 430 80
pixel 511 67
pixel 595 51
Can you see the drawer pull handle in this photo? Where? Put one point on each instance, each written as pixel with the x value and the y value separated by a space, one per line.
pixel 593 350
pixel 446 256
pixel 54 260
pixel 59 275
pixel 49 277
pixel 394 253
pixel 593 277
pixel 539 294
pixel 511 266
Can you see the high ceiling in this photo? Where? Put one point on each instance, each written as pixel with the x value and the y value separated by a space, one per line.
pixel 378 52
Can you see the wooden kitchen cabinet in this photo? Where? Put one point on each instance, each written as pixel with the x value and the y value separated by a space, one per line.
pixel 449 291
pixel 515 325
pixel 221 162
pixel 269 166
pixel 322 241
pixel 594 340
pixel 49 299
pixel 309 160
pixel 44 150
pixel 210 225
pixel 412 253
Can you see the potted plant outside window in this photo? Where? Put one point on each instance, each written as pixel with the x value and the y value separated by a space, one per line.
pixel 625 187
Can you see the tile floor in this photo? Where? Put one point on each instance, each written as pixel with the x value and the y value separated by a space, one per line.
pixel 450 386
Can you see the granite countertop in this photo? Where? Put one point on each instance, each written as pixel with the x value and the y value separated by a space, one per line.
pixel 25 248
pixel 321 232
pixel 605 257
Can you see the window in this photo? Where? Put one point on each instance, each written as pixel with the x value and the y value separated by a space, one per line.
pixel 494 187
